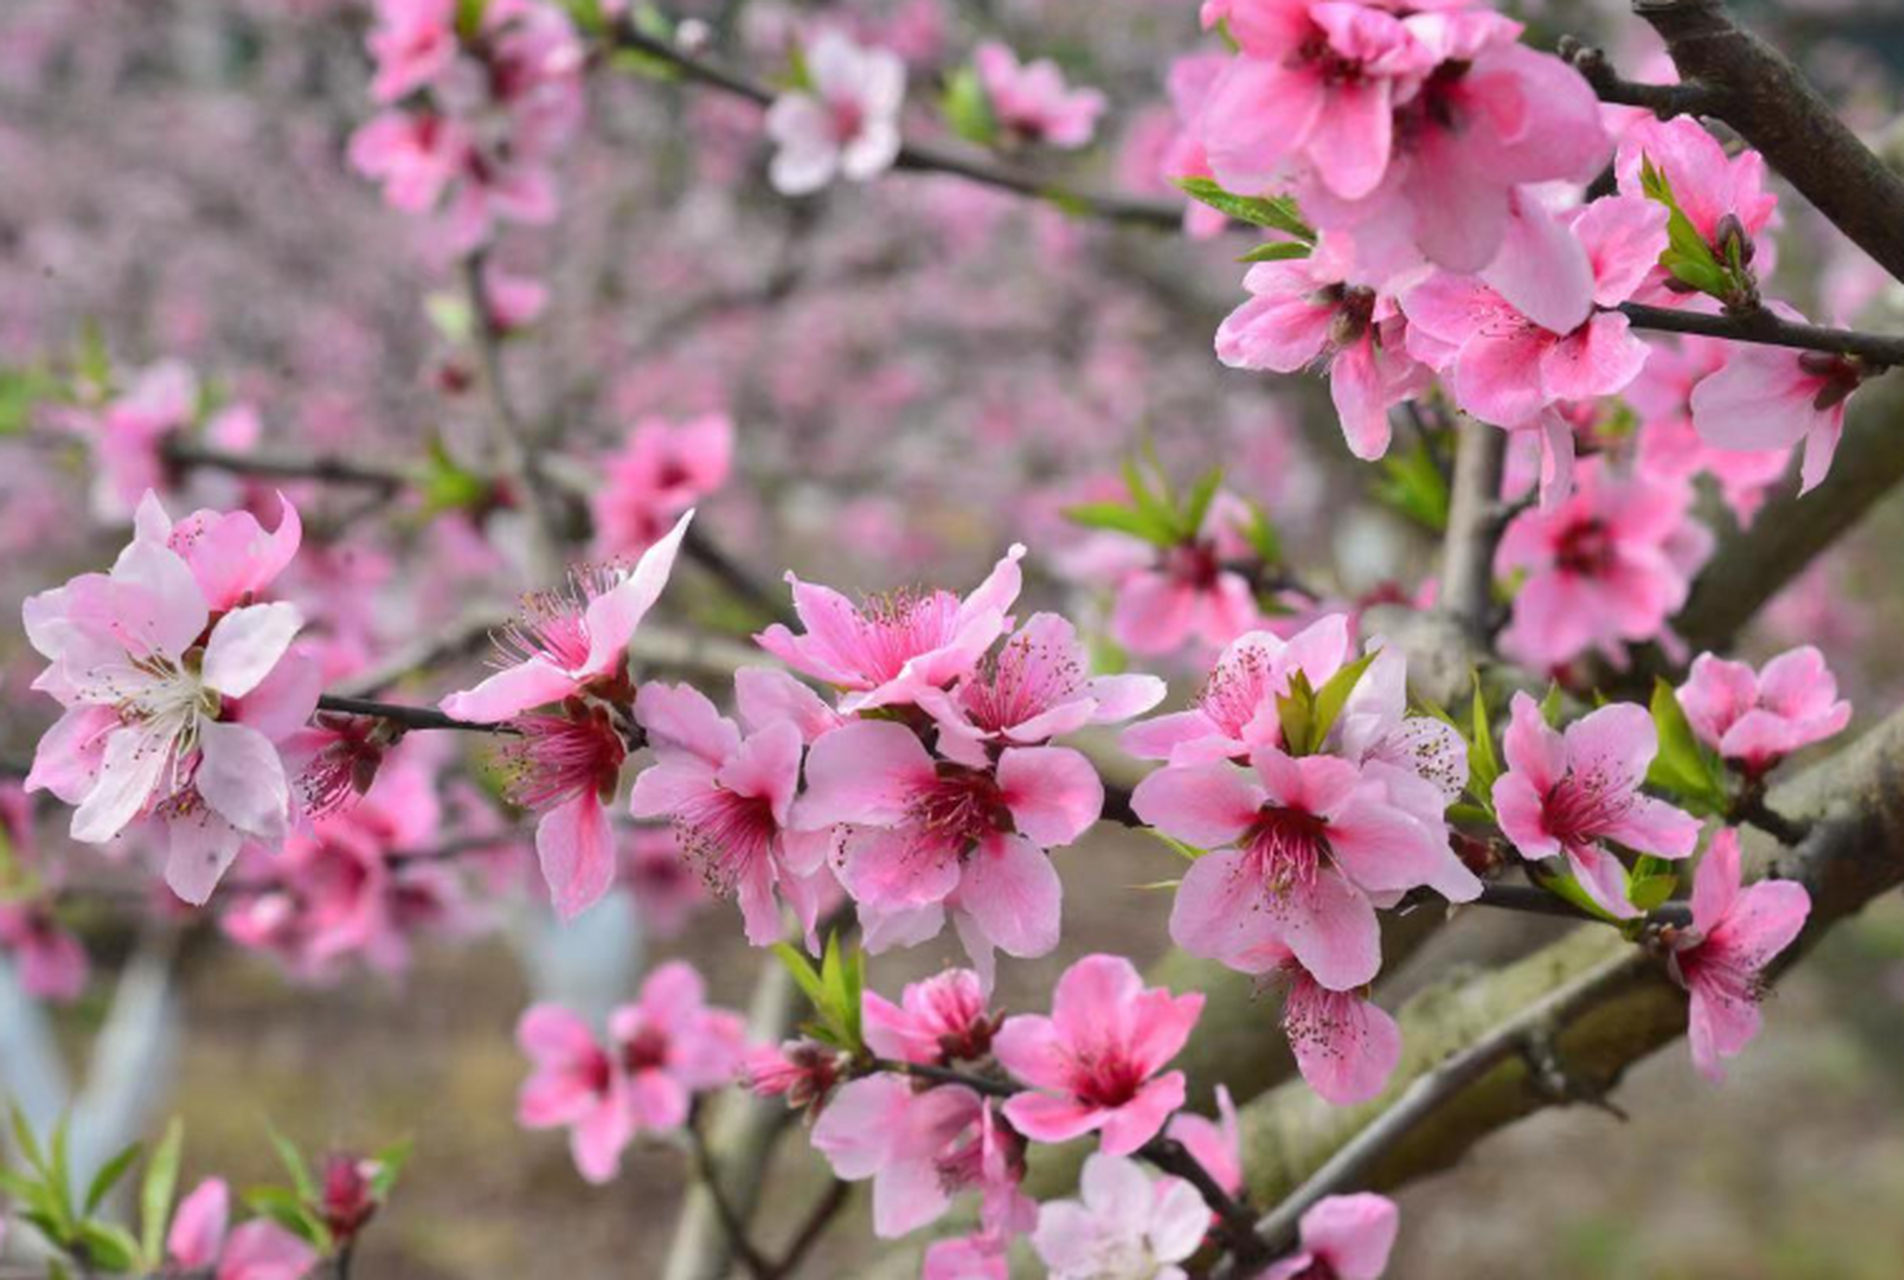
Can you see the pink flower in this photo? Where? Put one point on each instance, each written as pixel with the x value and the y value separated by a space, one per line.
pixel 846 121
pixel 576 1085
pixel 1309 840
pixel 1610 564
pixel 1773 397
pixel 663 469
pixel 1216 1144
pixel 565 769
pixel 1757 719
pixel 256 1250
pixel 1346 1237
pixel 730 799
pixel 1315 82
pixel 1235 712
pixel 1190 81
pixel 1568 794
pixel 1735 934
pixel 801 1071
pixel 1708 185
pixel 1669 445
pixel 667 892
pixel 173 712
pixel 973 1257
pixel 230 555
pixel 890 648
pixel 920 1149
pixel 1303 313
pixel 1346 1046
pixel 1189 593
pixel 922 838
pixel 662 1050
pixel 1124 1224
pixel 940 1021
pixel 1031 102
pixel 49 959
pixel 416 155
pixel 512 302
pixel 126 437
pixel 414 43
pixel 1098 1055
pixel 1032 690
pixel 569 640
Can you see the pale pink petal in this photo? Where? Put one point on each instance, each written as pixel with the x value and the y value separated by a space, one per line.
pixel 199 847
pixel 1043 1118
pixel 1130 1126
pixel 577 853
pixel 1331 927
pixel 867 771
pixel 198 1228
pixel 1345 1046
pixel 246 644
pixel 1012 891
pixel 1205 804
pixel 680 718
pixel 1604 879
pixel 1054 793
pixel 241 776
pixel 510 692
pixel 1355 1233
pixel 613 616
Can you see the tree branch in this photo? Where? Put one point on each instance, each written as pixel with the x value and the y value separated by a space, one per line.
pixel 1766 328
pixel 409 717
pixel 189 455
pixel 1474 529
pixel 1663 100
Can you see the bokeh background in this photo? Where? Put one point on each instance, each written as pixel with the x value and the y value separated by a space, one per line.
pixel 919 371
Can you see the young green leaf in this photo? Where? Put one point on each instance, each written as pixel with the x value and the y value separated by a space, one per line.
pixel 1412 485
pixel 1296 712
pixel 1188 852
pixel 1331 698
pixel 108 1177
pixel 968 108
pixel 389 1161
pixel 1278 251
pixel 108 1246
pixel 1259 211
pixel 1682 767
pixel 1484 763
pixel 1118 518
pixel 290 1211
pixel 293 1161
pixel 155 1194
pixel 1652 883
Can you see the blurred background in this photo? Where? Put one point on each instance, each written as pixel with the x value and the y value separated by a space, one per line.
pixel 919 371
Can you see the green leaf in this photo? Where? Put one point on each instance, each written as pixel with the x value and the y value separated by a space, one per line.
pixel 1552 704
pixel 1562 885
pixel 1121 519
pixel 1683 768
pixel 967 108
pixel 21 392
pixel 1652 882
pixel 1296 712
pixel 109 1175
pixel 1188 852
pixel 1202 494
pixel 1262 536
pixel 92 362
pixel 1687 254
pixel 23 1139
pixel 1151 885
pixel 286 1208
pixel 1279 212
pixel 293 1161
pixel 155 1193
pixel 1472 814
pixel 1331 698
pixel 805 976
pixel 1484 763
pixel 108 1246
pixel 1151 493
pixel 59 1167
pixel 448 486
pixel 469 19
pixel 1412 485
pixel 390 1162
pixel 1278 251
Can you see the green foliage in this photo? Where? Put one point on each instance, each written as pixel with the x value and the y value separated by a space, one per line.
pixel 1688 256
pixel 834 989
pixel 1652 882
pixel 1188 852
pixel 155 1194
pixel 1563 886
pixel 1278 212
pixel 1683 768
pixel 1484 759
pixel 447 485
pixel 1156 513
pixel 1278 251
pixel 1308 714
pixel 967 108
pixel 21 392
pixel 42 1196
pixel 1411 484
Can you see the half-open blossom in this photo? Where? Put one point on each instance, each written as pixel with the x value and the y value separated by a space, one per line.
pixel 1571 793
pixel 1610 565
pixel 1123 1224
pixel 1235 712
pixel 887 649
pixel 730 799
pixel 1096 1059
pixel 802 1071
pixel 1216 1144
pixel 1773 397
pixel 566 641
pixel 1343 1237
pixel 1190 593
pixel 1300 845
pixel 1722 196
pixel 1755 719
pixel 1670 447
pixel 574 1084
pixel 844 122
pixel 1735 934
pixel 565 768
pixel 939 1021
pixel 662 469
pixel 923 838
pixel 47 958
pixel 1030 101
pixel 1315 82
pixel 1033 689
pixel 413 43
pixel 172 713
pixel 1303 312
pixel 920 1149
pixel 203 1242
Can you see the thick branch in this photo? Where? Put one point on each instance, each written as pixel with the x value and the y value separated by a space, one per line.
pixel 1755 89
pixel 1768 329
pixel 1474 528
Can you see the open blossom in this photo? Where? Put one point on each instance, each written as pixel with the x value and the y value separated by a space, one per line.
pixel 1755 719
pixel 1235 712
pixel 844 122
pixel 1303 312
pixel 1344 1237
pixel 1033 689
pixel 413 43
pixel 1123 1224
pixel 126 436
pixel 921 1148
pixel 567 641
pixel 1189 593
pixel 1097 1057
pixel 661 1051
pixel 1735 934
pixel 174 712
pixel 730 798
pixel 1300 845
pixel 888 649
pixel 662 469
pixel 417 156
pixel 230 555
pixel 1031 102
pixel 1571 793
pixel 666 890
pixel 923 838
pixel 939 1021
pixel 565 769
pixel 1671 449
pixel 1773 397
pixel 1609 565
pixel 1314 82
pixel 47 958
pixel 203 1242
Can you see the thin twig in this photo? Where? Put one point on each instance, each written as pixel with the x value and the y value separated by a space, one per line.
pixel 1663 100
pixel 815 1226
pixel 188 455
pixel 706 1171
pixel 409 717
pixel 511 431
pixel 698 547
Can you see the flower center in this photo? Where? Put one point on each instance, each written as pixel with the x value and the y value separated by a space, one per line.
pixel 647 1051
pixel 1586 549
pixel 552 624
pixel 960 806
pixel 889 631
pixel 1026 679
pixel 559 757
pixel 1194 563
pixel 1289 846
pixel 1579 809
pixel 725 834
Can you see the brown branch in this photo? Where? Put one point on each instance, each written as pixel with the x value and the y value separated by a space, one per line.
pixel 1766 328
pixel 510 432
pixel 1755 89
pixel 1663 100
pixel 822 1216
pixel 1474 529
pixel 924 157
pixel 707 1176
pixel 328 469
pixel 402 714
